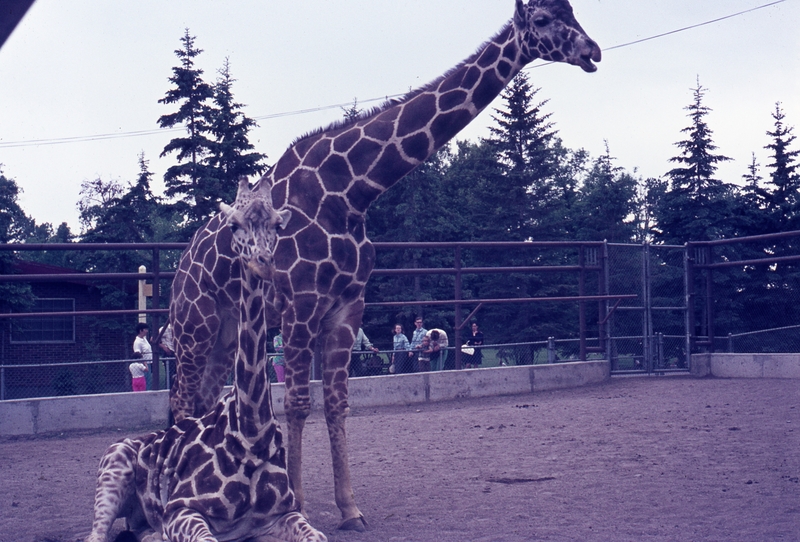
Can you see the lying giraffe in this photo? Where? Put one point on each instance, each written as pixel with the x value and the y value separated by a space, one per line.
pixel 222 476
pixel 323 259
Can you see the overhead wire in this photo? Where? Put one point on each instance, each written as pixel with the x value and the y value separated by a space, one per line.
pixel 139 133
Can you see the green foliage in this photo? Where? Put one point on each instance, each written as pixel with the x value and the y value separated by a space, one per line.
pixel 607 204
pixel 231 153
pixel 14 225
pixel 696 206
pixel 215 151
pixel 783 200
pixel 187 180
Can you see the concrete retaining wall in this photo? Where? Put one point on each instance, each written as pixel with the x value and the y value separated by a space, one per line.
pixel 746 365
pixel 130 410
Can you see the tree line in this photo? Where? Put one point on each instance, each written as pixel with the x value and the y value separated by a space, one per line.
pixel 520 183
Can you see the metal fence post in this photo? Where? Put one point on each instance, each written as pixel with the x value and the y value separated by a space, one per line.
pixel 458 322
pixel 551 350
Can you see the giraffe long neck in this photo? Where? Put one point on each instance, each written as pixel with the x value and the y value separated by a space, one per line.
pixel 253 398
pixel 358 162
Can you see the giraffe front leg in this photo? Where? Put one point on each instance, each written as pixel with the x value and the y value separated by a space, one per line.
pixel 336 411
pixel 187 525
pixel 292 527
pixel 297 406
pixel 115 489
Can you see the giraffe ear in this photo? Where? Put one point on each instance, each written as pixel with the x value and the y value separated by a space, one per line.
pixel 283 218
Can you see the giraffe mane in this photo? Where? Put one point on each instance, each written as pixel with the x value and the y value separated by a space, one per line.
pixel 373 111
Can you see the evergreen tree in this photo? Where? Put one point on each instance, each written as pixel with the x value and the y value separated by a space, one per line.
pixel 754 201
pixel 696 206
pixel 188 180
pixel 231 154
pixel 784 198
pixel 607 202
pixel 522 141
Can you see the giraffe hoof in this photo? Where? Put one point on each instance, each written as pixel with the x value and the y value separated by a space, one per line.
pixel 358 524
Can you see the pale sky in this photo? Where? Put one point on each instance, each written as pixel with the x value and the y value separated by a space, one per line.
pixel 90 68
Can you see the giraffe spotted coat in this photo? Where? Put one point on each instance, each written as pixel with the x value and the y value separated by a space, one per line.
pixel 328 179
pixel 221 476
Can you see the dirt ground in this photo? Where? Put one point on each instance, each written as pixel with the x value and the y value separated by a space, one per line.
pixel 662 458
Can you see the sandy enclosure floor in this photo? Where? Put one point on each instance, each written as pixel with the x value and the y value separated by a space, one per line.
pixel 670 458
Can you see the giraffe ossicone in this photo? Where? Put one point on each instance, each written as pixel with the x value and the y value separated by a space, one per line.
pixel 222 476
pixel 323 259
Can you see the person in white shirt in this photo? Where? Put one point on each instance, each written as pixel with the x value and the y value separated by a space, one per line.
pixel 142 346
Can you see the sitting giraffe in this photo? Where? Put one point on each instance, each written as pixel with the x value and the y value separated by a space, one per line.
pixel 328 179
pixel 222 476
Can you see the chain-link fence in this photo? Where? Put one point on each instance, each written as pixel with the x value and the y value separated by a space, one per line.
pixel 739 295
pixel 114 376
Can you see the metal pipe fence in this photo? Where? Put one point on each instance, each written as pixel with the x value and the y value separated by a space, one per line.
pixel 644 307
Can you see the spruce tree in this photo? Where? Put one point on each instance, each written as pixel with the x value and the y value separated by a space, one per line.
pixel 522 141
pixel 231 154
pixel 696 206
pixel 187 181
pixel 784 181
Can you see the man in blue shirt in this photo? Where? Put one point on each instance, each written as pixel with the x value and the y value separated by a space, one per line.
pixel 416 340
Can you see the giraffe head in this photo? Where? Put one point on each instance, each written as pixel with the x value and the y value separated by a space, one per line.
pixel 254 224
pixel 549 31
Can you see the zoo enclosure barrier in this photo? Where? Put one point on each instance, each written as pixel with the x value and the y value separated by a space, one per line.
pixel 644 307
pixel 113 376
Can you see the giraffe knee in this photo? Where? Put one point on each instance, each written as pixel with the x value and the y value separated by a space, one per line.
pixel 337 410
pixel 297 407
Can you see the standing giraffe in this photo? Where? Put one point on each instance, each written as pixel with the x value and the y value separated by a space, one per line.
pixel 222 476
pixel 323 259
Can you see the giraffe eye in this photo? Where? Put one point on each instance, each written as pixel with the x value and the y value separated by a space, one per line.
pixel 234 227
pixel 542 20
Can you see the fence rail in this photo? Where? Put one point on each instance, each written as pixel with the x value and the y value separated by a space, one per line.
pixel 644 307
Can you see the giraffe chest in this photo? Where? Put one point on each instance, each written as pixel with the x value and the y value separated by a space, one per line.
pixel 206 466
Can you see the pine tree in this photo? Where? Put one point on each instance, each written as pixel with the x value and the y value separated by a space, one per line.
pixel 784 198
pixel 696 206
pixel 231 153
pixel 188 179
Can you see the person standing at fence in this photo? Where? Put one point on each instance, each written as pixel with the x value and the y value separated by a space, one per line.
pixel 138 370
pixel 476 339
pixel 440 354
pixel 424 355
pixel 279 361
pixel 416 338
pixel 361 346
pixel 400 346
pixel 167 345
pixel 141 345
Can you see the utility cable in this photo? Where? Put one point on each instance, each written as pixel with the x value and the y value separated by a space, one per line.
pixel 99 137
